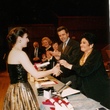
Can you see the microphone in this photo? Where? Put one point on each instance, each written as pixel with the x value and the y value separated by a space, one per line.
pixel 64 87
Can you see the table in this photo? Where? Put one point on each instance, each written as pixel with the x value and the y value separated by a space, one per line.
pixel 79 101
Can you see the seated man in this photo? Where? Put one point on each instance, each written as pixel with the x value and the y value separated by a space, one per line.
pixel 37 53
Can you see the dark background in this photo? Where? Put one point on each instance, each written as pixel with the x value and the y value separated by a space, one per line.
pixel 45 11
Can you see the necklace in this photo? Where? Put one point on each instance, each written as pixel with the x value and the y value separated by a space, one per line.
pixel 84 57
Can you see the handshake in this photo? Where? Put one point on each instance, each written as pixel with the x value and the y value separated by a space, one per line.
pixel 55 70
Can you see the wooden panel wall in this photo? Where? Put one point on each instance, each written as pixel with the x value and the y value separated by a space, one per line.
pixel 37 31
pixel 81 24
pixel 77 25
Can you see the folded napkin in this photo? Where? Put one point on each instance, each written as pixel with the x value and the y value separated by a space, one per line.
pixel 59 104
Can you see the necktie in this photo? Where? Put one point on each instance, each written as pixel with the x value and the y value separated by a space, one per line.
pixel 36 52
pixel 64 46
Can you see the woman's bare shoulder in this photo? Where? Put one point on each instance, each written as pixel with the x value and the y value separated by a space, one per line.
pixel 16 56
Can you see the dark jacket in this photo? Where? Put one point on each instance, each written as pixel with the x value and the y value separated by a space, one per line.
pixel 49 49
pixel 92 78
pixel 40 52
pixel 72 50
pixel 53 62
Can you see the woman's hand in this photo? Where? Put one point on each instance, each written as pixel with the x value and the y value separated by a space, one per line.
pixel 56 70
pixel 65 64
pixel 36 59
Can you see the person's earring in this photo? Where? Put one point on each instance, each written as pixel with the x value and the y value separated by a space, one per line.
pixel 91 46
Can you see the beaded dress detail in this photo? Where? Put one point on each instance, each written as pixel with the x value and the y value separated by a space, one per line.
pixel 20 95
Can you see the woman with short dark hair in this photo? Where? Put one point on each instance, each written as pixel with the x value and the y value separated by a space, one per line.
pixel 92 77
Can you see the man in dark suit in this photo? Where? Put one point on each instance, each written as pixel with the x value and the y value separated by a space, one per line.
pixel 37 53
pixel 67 49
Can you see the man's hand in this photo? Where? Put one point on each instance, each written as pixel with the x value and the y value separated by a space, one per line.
pixel 57 54
pixel 36 59
pixel 56 70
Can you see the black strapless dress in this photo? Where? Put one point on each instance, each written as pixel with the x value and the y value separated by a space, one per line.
pixel 20 95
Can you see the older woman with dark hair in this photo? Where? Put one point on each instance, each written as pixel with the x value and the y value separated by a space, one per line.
pixel 92 77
